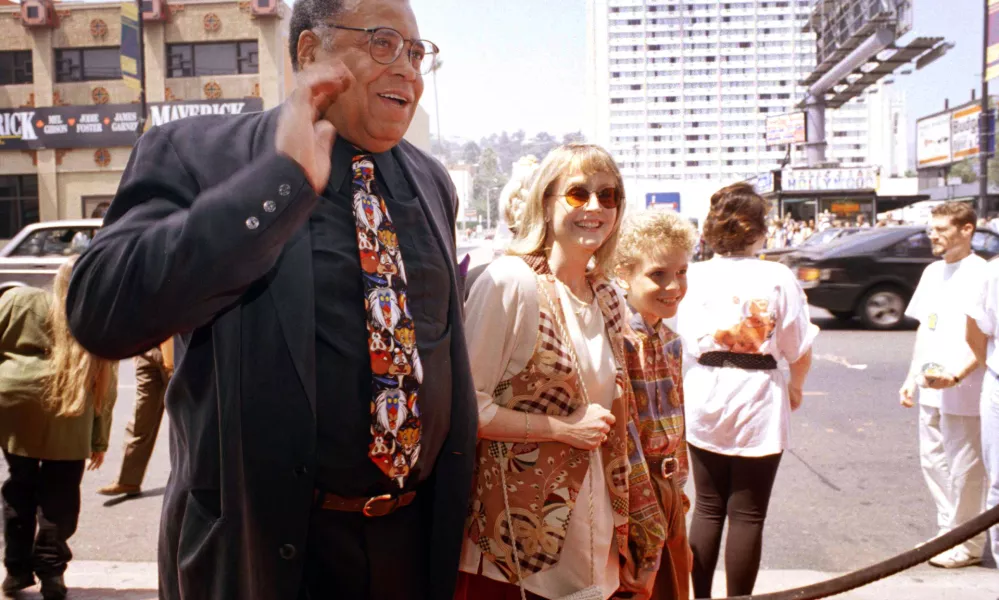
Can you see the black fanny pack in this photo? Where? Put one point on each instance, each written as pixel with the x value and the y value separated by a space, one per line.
pixel 738 360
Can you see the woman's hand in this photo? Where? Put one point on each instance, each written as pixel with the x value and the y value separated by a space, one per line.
pixel 795 394
pixel 96 460
pixel 586 428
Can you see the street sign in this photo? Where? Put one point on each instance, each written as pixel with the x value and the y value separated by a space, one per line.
pixel 131 61
pixel 663 200
pixel 471 214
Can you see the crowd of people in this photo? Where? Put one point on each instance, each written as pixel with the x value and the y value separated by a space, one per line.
pixel 354 416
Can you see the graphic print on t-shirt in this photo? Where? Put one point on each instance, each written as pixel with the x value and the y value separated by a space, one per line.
pixel 755 326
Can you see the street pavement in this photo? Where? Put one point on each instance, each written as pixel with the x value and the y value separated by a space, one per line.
pixel 848 494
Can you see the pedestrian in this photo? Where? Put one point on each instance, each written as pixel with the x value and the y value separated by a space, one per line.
pixel 152 375
pixel 945 370
pixel 983 331
pixel 652 261
pixel 550 410
pixel 741 317
pixel 56 402
pixel 322 413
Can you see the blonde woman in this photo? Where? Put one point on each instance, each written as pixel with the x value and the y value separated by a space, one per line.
pixel 545 333
pixel 56 401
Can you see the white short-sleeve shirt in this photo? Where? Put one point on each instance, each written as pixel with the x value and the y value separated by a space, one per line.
pixel 939 304
pixel 732 303
pixel 983 307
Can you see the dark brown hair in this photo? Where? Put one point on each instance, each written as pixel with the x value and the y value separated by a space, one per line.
pixel 737 218
pixel 960 213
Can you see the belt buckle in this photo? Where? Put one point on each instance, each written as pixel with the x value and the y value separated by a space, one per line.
pixel 379 506
pixel 668 467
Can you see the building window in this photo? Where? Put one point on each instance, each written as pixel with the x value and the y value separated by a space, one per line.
pixel 87 64
pixel 15 67
pixel 223 58
pixel 18 203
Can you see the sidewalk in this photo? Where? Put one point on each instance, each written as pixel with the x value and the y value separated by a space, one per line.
pixel 99 580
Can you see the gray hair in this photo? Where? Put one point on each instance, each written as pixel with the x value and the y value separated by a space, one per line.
pixel 310 14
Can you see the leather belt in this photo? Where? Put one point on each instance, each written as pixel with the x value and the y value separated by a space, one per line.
pixel 739 360
pixel 668 466
pixel 376 506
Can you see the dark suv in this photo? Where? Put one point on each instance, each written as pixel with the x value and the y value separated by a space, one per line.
pixel 872 274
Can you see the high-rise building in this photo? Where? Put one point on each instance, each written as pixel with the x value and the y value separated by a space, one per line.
pixel 681 89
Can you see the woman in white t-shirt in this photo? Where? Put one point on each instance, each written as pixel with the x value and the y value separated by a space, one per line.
pixel 741 317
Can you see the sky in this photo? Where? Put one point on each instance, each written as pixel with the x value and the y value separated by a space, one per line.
pixel 519 64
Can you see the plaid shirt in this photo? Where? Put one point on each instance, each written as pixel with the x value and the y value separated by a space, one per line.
pixel 655 366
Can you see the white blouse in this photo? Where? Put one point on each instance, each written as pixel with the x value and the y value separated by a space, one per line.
pixel 502 321
pixel 732 304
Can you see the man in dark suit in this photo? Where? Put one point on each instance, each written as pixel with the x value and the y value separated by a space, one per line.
pixel 322 413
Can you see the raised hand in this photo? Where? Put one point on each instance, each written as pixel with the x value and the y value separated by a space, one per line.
pixel 302 134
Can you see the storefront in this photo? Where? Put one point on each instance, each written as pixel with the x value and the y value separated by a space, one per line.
pixel 843 196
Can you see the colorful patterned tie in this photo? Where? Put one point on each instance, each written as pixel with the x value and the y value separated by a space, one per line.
pixel 396 371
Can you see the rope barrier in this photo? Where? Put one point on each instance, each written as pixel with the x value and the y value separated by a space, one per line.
pixel 886 568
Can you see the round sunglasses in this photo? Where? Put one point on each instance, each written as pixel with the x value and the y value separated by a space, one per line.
pixel 578 196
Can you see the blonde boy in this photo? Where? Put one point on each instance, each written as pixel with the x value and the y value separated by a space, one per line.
pixel 652 258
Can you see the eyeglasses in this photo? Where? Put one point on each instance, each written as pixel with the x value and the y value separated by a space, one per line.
pixel 578 196
pixel 386 45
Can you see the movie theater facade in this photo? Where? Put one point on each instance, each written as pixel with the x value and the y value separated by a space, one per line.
pixel 67 118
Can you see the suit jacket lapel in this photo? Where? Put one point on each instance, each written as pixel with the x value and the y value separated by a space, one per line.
pixel 435 210
pixel 292 289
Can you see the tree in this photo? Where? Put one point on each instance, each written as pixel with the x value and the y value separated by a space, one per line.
pixel 487 183
pixel 470 153
pixel 964 170
pixel 573 138
pixel 541 144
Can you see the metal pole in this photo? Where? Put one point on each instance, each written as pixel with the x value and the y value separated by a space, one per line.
pixel 142 70
pixel 437 105
pixel 983 121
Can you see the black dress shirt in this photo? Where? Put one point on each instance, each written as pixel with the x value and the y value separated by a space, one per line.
pixel 343 368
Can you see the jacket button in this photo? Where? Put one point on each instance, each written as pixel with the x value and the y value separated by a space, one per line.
pixel 287 552
pixel 252 223
pixel 284 189
pixel 270 206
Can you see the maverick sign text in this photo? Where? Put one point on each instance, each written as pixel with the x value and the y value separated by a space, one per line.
pixel 103 125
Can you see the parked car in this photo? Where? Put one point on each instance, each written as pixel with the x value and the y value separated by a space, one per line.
pixel 819 238
pixel 873 274
pixel 33 256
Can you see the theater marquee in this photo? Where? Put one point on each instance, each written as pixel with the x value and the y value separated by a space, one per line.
pixel 104 125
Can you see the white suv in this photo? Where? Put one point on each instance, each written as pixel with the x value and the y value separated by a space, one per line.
pixel 33 256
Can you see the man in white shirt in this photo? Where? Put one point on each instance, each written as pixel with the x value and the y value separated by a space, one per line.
pixel 983 332
pixel 946 371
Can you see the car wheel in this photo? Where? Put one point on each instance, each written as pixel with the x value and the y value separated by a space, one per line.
pixel 883 308
pixel 842 315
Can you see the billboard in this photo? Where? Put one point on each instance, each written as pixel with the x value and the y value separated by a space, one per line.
pixel 992 44
pixel 663 200
pixel 101 125
pixel 951 136
pixel 837 23
pixel 131 61
pixel 964 137
pixel 933 141
pixel 832 179
pixel 786 129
